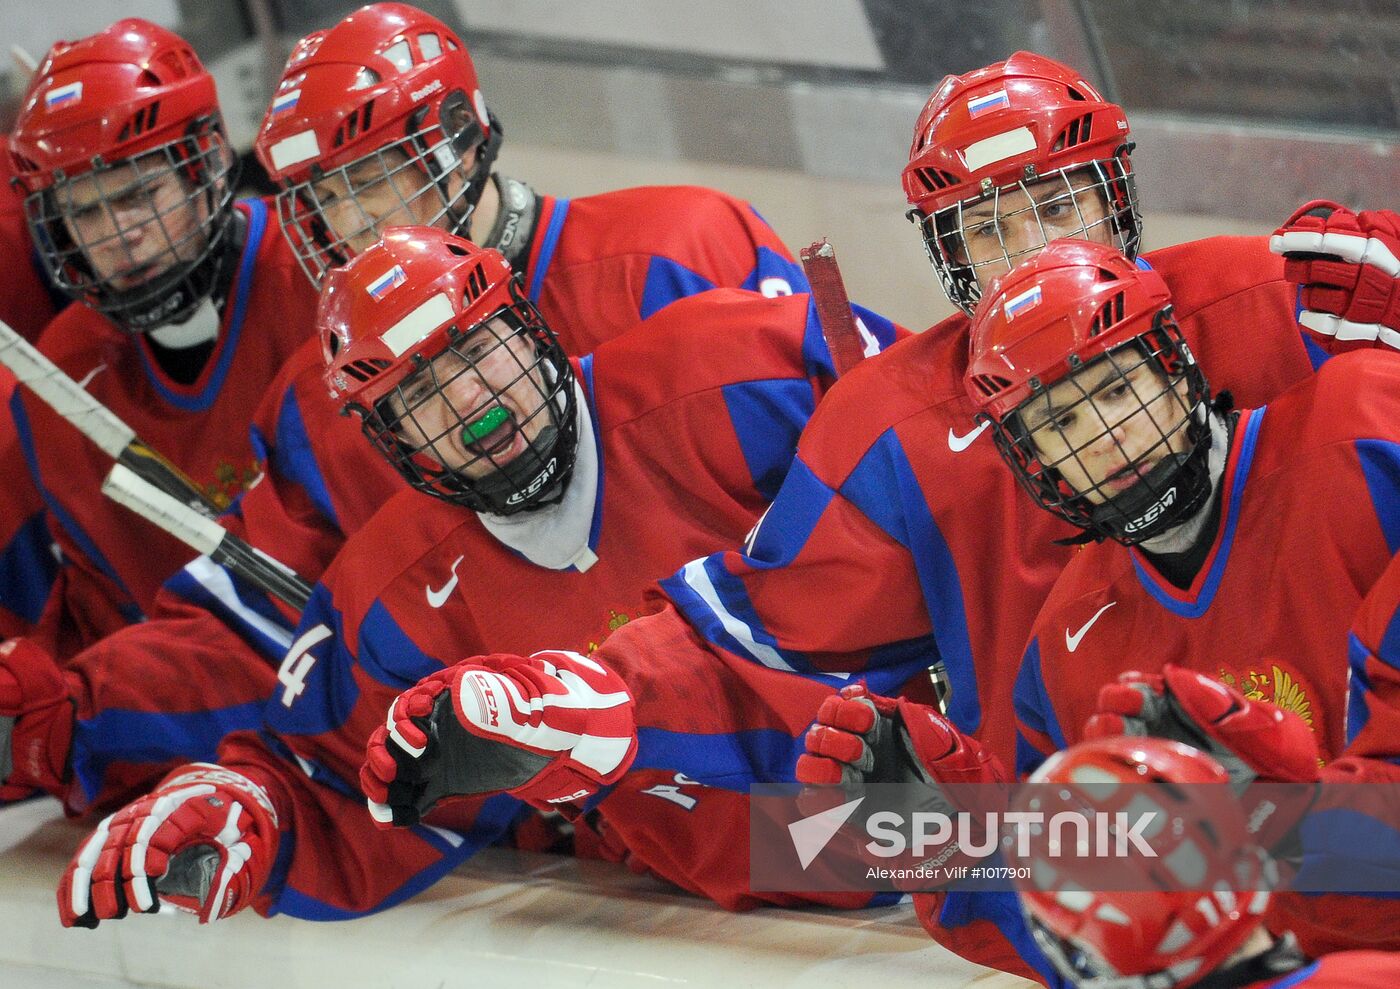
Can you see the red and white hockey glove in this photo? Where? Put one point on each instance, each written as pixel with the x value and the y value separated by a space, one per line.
pixel 1250 739
pixel 549 729
pixel 1258 744
pixel 1348 265
pixel 36 721
pixel 203 841
pixel 919 758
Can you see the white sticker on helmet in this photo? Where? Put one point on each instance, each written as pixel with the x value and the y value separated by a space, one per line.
pixel 297 148
pixel 998 148
pixel 415 327
pixel 479 102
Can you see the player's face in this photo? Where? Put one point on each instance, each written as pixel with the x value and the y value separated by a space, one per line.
pixel 134 221
pixel 477 405
pixel 380 191
pixel 1017 223
pixel 1107 425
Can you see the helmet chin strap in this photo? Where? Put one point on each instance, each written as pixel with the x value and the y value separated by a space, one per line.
pixel 1182 536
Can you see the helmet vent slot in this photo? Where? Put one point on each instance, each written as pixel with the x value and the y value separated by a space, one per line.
pixel 355 124
pixel 141 121
pixel 363 370
pixel 1109 315
pixel 476 285
pixel 990 385
pixel 1077 133
pixel 934 179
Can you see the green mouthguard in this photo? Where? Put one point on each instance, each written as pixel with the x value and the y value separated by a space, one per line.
pixel 483 427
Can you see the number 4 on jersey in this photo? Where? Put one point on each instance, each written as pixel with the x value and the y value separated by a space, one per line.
pixel 296 665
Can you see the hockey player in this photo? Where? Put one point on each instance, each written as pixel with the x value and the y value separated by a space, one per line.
pixel 1170 930
pixel 380 121
pixel 1105 418
pixel 559 488
pixel 874 558
pixel 595 266
pixel 899 539
pixel 188 302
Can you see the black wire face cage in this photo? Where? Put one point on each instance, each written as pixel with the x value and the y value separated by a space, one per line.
pixel 404 183
pixel 1145 407
pixel 1105 186
pixel 513 371
pixel 156 220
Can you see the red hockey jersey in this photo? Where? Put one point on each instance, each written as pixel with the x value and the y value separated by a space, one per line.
pixel 595 266
pixel 1310 518
pixel 115 561
pixel 694 417
pixel 900 539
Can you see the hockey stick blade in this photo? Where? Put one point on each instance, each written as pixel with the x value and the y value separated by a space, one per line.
pixel 95 421
pixel 838 323
pixel 206 536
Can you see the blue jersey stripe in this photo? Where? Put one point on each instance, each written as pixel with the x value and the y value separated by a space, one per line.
pixel 28 568
pixel 1158 588
pixel 1031 702
pixel 1349 851
pixel 547 246
pixel 294 456
pixel 117 735
pixel 329 691
pixel 885 488
pixel 246 610
pixel 790 520
pixel 130 610
pixel 775 275
pixel 1380 464
pixel 243 283
pixel 730 761
pixel 492 825
pixel 667 281
pixel 767 417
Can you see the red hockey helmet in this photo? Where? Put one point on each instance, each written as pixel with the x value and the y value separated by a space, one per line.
pixel 1172 918
pixel 1029 124
pixel 456 377
pixel 1070 353
pixel 129 178
pixel 377 121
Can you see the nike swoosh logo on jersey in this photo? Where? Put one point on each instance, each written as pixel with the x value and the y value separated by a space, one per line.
pixel 958 443
pixel 1072 640
pixel 439 597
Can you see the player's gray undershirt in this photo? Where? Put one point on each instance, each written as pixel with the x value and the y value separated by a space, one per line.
pixel 1185 537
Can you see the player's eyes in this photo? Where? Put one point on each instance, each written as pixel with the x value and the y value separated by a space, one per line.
pixel 85 214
